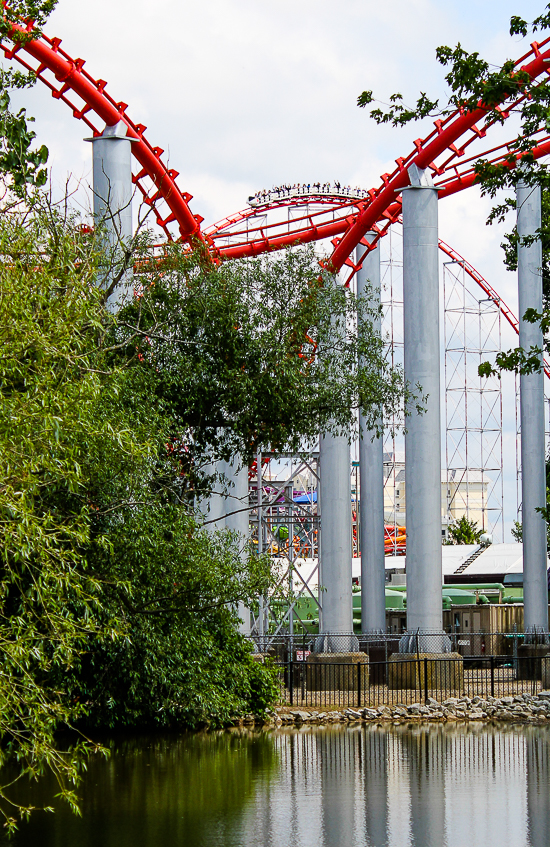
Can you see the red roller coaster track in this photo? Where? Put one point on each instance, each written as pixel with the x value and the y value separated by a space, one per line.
pixel 90 102
pixel 344 220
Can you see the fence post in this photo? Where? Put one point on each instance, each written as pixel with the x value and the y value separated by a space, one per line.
pixel 358 684
pixel 425 680
pixel 291 681
pixel 492 676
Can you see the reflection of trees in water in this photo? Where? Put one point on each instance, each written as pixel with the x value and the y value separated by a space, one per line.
pixel 154 791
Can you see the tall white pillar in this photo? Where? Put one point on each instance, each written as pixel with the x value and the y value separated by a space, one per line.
pixel 423 434
pixel 113 189
pixel 371 470
pixel 237 519
pixel 335 549
pixel 531 388
pixel 212 507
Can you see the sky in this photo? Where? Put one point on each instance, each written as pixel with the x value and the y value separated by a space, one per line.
pixel 244 95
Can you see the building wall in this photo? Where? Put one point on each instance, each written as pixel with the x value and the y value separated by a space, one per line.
pixel 458 498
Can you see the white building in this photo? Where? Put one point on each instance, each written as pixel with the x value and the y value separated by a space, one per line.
pixel 462 493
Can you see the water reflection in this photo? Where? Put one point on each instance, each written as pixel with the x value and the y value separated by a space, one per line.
pixel 374 766
pixel 538 789
pixel 425 755
pixel 363 786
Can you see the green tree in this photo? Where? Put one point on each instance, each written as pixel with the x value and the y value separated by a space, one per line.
pixel 464 531
pixel 22 165
pixel 254 354
pixel 50 386
pixel 116 608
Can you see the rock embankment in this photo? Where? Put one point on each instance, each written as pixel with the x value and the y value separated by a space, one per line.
pixel 522 708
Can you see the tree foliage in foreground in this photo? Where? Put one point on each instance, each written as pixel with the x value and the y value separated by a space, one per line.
pixel 86 478
pixel 116 608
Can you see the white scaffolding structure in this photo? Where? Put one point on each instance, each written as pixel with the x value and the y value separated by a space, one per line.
pixel 285 523
pixel 473 405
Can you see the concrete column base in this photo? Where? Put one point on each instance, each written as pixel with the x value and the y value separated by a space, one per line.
pixel 545 672
pixel 533 664
pixel 445 671
pixel 337 672
pixel 343 642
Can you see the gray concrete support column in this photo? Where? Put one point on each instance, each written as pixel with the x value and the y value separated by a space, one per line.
pixel 423 436
pixel 336 552
pixel 371 470
pixel 531 387
pixel 113 189
pixel 212 507
pixel 237 519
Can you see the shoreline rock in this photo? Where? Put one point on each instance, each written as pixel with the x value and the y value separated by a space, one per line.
pixel 521 708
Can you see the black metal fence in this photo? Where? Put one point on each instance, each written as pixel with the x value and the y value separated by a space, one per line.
pixel 406 679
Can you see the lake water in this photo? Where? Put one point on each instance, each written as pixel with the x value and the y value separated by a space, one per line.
pixel 358 786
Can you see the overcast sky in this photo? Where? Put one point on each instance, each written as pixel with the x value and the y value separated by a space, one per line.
pixel 244 95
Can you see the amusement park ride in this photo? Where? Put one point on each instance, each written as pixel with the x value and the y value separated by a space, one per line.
pixel 353 222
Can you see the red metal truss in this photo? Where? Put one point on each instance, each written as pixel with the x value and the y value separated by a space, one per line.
pixel 90 102
pixel 439 152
